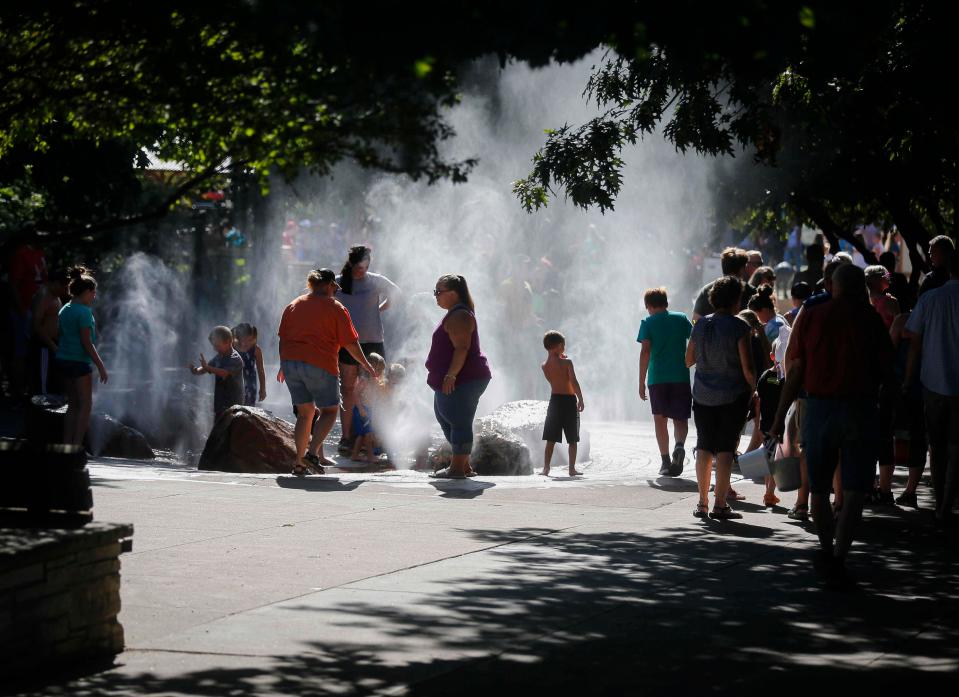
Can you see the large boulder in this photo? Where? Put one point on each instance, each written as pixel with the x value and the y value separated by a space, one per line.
pixel 498 454
pixel 176 416
pixel 523 421
pixel 247 439
pixel 105 437
pixel 108 437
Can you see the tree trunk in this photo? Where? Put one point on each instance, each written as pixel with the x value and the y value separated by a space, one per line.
pixel 818 213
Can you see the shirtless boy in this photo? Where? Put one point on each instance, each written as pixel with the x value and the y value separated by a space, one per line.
pixel 565 403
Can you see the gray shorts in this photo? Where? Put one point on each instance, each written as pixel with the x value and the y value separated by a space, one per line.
pixel 309 383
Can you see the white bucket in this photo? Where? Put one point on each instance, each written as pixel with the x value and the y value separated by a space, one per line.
pixel 755 463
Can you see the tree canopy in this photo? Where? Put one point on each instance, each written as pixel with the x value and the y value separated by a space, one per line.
pixel 842 108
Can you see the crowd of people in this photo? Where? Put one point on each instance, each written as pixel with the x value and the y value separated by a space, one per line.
pixel 835 378
pixel 852 372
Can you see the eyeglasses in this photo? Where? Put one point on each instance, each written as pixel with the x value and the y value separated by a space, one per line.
pixel 437 292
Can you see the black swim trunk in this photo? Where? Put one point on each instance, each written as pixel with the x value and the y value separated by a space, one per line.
pixel 562 417
pixel 347 359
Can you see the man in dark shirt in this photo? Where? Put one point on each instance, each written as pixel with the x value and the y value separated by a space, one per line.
pixel 839 355
pixel 941 248
pixel 815 254
pixel 734 262
pixel 898 283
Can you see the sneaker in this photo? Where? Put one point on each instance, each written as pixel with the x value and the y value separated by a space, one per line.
pixel 908 499
pixel 667 465
pixel 679 458
pixel 344 447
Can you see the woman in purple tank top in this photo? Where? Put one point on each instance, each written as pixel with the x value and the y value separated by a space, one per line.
pixel 457 371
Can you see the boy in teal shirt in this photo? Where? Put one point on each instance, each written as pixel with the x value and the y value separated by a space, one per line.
pixel 662 365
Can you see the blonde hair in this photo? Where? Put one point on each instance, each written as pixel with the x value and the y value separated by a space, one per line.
pixel 377 361
pixel 221 333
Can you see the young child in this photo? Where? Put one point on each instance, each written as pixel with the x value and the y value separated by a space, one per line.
pixel 662 364
pixel 565 402
pixel 245 336
pixel 227 369
pixel 367 392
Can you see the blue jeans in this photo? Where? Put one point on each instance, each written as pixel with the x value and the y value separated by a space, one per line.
pixel 846 429
pixel 455 413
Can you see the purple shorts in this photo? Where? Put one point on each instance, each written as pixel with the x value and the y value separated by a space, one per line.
pixel 674 400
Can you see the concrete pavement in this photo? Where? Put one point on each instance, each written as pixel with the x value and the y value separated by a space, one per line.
pixel 395 584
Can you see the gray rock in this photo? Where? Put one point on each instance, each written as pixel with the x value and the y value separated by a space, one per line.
pixel 109 438
pixel 523 421
pixel 498 454
pixel 106 435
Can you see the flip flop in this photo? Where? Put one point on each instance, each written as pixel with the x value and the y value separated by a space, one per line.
pixel 444 474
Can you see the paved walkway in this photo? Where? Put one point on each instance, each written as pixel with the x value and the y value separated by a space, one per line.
pixel 396 584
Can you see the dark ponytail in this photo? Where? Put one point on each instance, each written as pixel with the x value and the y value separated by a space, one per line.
pixel 81 280
pixel 762 299
pixel 459 286
pixel 358 254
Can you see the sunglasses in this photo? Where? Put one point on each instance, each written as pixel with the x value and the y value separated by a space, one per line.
pixel 437 292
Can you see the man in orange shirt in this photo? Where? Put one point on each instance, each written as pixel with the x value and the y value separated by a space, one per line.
pixel 312 330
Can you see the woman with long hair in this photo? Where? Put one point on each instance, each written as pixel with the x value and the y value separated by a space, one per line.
pixel 365 295
pixel 77 354
pixel 457 371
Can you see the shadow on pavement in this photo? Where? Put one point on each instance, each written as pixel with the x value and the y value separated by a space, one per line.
pixel 715 609
pixel 317 483
pixel 460 488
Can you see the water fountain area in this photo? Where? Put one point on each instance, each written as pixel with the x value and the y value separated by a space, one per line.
pixel 579 272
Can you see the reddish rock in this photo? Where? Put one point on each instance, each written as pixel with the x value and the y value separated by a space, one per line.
pixel 247 439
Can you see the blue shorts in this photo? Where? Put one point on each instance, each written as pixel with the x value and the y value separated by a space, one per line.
pixel 309 383
pixel 361 426
pixel 841 431
pixel 71 370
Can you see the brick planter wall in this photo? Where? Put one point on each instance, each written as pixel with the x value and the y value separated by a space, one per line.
pixel 59 596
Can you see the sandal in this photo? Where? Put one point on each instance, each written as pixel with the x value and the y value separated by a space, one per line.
pixel 799 512
pixel 735 495
pixel 770 500
pixel 702 510
pixel 313 463
pixel 724 513
pixel 300 470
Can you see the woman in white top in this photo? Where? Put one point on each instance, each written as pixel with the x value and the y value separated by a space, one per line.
pixel 365 295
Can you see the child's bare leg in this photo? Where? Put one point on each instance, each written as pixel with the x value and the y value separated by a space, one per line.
pixel 680 430
pixel 547 457
pixel 573 448
pixel 370 448
pixel 357 444
pixel 661 424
